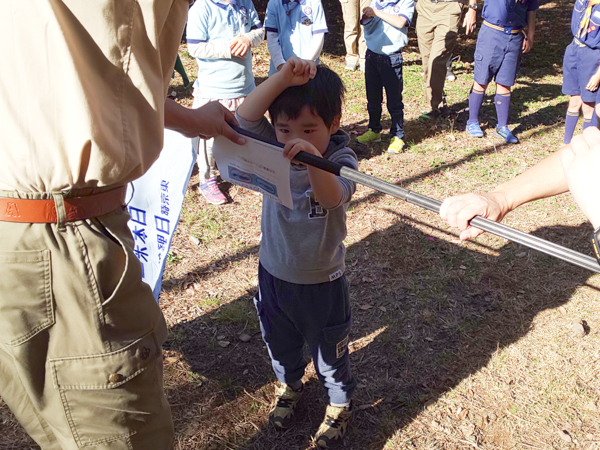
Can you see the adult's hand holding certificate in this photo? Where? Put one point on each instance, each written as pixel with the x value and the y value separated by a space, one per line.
pixel 258 165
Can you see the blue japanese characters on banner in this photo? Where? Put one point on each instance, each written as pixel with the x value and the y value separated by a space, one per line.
pixel 155 206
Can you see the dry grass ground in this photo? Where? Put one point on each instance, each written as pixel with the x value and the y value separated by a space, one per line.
pixel 455 345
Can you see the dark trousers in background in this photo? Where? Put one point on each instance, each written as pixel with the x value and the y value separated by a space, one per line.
pixel 385 71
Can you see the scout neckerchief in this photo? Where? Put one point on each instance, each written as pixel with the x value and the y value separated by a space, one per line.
pixel 288 5
pixel 585 19
pixel 380 4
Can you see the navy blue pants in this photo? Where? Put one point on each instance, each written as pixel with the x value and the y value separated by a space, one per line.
pixel 385 71
pixel 318 314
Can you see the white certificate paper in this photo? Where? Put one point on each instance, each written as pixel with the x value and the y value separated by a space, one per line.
pixel 256 165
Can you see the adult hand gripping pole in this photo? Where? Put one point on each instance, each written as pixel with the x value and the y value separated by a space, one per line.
pixel 504 231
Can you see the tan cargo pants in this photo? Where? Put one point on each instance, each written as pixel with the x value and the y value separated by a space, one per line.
pixel 437 31
pixel 80 336
pixel 353 36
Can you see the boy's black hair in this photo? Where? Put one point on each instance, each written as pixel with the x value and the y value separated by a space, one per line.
pixel 324 95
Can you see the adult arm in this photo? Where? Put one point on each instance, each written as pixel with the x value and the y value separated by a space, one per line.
pixel 470 18
pixel 580 162
pixel 543 180
pixel 208 121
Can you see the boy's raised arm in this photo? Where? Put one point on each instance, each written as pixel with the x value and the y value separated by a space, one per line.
pixel 294 72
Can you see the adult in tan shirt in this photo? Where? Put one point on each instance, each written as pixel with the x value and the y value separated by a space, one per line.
pixel 82 110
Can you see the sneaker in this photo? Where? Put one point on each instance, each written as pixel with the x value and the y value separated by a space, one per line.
pixel 211 192
pixel 396 146
pixel 474 129
pixel 333 428
pixel 504 133
pixel 282 414
pixel 351 65
pixel 369 136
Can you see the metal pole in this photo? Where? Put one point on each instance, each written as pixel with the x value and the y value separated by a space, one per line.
pixel 542 245
pixel 504 231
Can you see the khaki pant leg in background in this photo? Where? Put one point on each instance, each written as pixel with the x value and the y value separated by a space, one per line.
pixel 354 39
pixel 80 337
pixel 437 31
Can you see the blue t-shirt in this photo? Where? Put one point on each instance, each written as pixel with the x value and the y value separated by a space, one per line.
pixel 218 21
pixel 591 34
pixel 295 23
pixel 380 36
pixel 508 13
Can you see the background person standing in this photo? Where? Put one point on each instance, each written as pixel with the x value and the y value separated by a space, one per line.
pixel 437 30
pixel 354 39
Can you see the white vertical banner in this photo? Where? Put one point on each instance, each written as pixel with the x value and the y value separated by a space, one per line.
pixel 155 205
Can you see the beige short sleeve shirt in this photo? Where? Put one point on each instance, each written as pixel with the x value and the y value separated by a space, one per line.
pixel 82 90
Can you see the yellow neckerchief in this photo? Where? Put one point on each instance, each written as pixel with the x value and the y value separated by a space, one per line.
pixel 585 20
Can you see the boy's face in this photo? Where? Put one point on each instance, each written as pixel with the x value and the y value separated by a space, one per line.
pixel 307 126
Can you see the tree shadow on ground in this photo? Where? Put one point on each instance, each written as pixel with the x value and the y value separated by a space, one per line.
pixel 427 314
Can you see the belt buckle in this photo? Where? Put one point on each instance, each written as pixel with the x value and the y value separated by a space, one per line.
pixel 507 30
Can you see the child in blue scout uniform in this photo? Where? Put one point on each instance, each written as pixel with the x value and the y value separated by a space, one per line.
pixel 220 34
pixel 303 293
pixel 501 40
pixel 294 28
pixel 581 65
pixel 385 24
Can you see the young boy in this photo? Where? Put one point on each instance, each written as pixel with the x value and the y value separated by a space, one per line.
pixel 386 24
pixel 303 293
pixel 581 66
pixel 294 28
pixel 500 42
pixel 220 34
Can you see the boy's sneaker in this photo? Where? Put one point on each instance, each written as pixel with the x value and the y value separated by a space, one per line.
pixel 333 428
pixel 505 133
pixel 282 414
pixel 369 136
pixel 474 129
pixel 396 146
pixel 211 192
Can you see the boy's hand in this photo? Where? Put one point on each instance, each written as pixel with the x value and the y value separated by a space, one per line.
pixel 239 46
pixel 527 44
pixel 368 12
pixel 593 83
pixel 298 71
pixel 294 146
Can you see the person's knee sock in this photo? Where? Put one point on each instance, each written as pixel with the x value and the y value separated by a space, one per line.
pixel 594 118
pixel 587 122
pixel 502 102
pixel 570 124
pixel 475 101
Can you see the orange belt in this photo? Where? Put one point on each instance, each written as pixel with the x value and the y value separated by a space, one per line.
pixel 76 208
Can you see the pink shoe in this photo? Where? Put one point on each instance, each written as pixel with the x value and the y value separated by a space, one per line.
pixel 211 192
